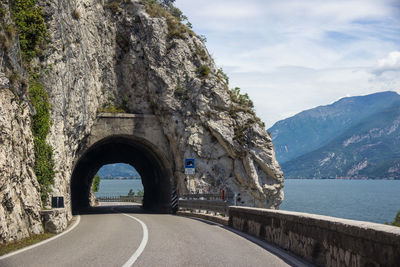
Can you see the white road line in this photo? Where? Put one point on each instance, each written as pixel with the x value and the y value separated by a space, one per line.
pixel 43 242
pixel 142 245
pixel 278 252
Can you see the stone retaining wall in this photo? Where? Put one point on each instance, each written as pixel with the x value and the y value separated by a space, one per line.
pixel 322 240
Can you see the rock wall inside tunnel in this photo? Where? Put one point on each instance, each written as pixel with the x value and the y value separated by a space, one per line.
pixel 132 57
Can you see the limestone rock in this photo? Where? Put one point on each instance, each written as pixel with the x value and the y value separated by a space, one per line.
pixel 19 190
pixel 125 57
pixel 54 220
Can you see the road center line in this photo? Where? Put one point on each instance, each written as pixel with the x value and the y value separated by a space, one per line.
pixel 42 242
pixel 142 245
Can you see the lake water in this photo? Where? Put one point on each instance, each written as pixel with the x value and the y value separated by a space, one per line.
pixel 118 187
pixel 365 200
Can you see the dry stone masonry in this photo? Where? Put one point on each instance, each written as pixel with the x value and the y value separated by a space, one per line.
pixel 322 240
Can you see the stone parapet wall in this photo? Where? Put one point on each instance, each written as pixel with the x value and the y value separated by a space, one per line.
pixel 322 240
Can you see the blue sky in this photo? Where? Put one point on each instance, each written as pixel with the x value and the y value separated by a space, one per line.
pixel 293 55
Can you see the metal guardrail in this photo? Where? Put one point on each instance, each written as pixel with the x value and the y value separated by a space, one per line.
pixel 219 196
pixel 120 199
pixel 217 203
pixel 205 205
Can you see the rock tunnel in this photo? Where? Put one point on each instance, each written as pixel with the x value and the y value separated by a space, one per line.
pixel 145 157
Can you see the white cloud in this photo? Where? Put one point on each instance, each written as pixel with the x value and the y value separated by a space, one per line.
pixel 389 63
pixel 293 55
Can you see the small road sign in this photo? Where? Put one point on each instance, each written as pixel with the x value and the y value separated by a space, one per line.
pixel 189 166
pixel 189 171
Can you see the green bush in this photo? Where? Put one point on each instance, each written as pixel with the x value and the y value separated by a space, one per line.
pixel 131 193
pixel 203 71
pixel 203 38
pixel 32 30
pixel 44 163
pixel 140 193
pixel 10 30
pixel 174 17
pixel 2 13
pixel 32 33
pixel 96 183
pixel 241 99
pixel 222 75
pixel 396 221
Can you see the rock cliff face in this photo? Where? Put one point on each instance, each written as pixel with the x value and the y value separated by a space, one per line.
pixel 19 190
pixel 116 54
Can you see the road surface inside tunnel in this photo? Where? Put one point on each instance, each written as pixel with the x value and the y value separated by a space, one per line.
pixel 115 236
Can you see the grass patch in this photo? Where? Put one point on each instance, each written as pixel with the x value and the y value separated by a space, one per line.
pixel 203 71
pixel 33 239
pixel 181 93
pixel 111 109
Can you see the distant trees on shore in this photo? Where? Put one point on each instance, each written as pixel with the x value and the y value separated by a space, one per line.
pixel 96 183
pixel 396 221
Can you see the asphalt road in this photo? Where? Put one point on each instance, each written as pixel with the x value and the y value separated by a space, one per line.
pixel 112 236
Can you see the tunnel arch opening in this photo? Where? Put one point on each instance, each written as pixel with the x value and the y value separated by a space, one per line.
pixel 147 159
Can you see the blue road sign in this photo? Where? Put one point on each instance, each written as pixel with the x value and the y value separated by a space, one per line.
pixel 189 163
pixel 189 166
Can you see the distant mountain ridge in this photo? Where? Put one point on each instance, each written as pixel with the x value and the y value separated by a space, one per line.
pixel 370 149
pixel 312 129
pixel 118 170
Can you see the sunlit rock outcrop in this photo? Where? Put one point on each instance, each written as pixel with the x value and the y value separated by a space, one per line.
pixel 103 56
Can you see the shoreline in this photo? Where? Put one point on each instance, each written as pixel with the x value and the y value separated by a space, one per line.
pixel 121 178
pixel 345 178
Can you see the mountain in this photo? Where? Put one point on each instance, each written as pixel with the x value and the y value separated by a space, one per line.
pixel 312 129
pixel 370 149
pixel 118 170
